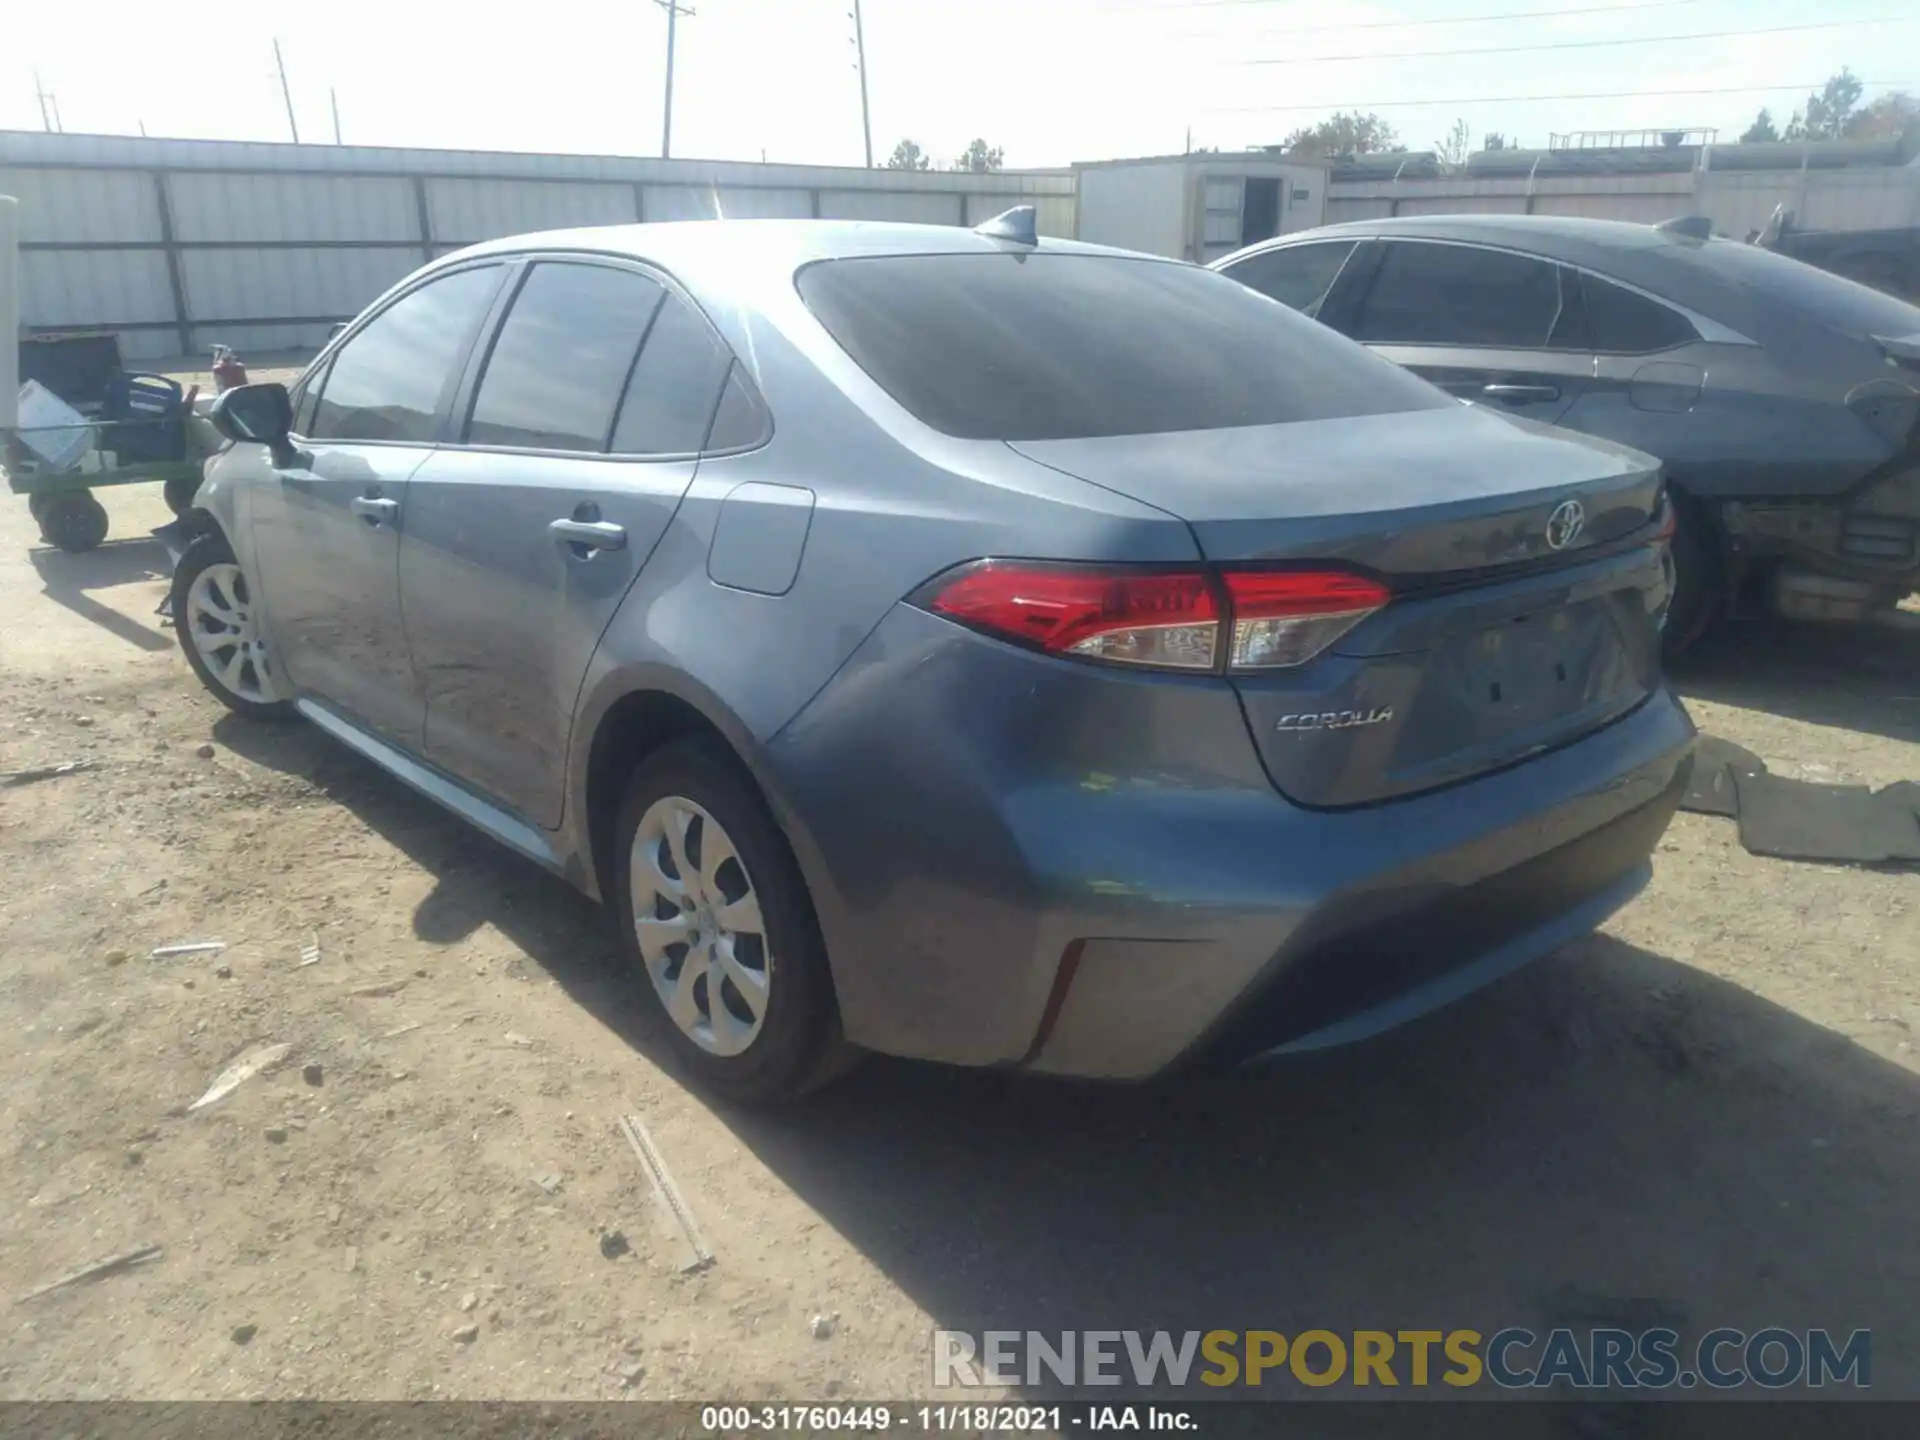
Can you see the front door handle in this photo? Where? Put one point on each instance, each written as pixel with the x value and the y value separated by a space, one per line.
pixel 589 534
pixel 1520 394
pixel 373 509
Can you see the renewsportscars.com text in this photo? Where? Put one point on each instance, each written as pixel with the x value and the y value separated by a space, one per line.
pixel 1512 1358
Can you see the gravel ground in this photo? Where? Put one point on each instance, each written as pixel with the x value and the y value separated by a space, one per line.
pixel 1709 1112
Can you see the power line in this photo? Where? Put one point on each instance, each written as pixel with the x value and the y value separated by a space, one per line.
pixel 1534 99
pixel 1449 19
pixel 1579 44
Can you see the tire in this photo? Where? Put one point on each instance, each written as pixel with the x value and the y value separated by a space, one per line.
pixel 793 1043
pixel 75 522
pixel 1699 583
pixel 179 493
pixel 207 583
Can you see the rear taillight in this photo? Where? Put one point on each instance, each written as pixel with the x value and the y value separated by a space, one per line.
pixel 1180 620
pixel 1286 617
pixel 1137 618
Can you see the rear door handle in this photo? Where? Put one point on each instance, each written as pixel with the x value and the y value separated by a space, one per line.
pixel 1519 394
pixel 592 534
pixel 373 509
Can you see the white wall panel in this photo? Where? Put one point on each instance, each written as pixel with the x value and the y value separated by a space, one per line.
pixel 909 209
pixel 1636 209
pixel 84 205
pixel 251 340
pixel 89 288
pixel 263 284
pixel 213 206
pixel 484 209
pixel 1464 205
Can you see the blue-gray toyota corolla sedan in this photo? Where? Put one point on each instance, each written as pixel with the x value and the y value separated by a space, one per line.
pixel 946 643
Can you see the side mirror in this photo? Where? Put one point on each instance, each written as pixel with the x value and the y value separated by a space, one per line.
pixel 257 414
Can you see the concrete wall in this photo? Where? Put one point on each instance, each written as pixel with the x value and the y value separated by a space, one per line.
pixel 178 244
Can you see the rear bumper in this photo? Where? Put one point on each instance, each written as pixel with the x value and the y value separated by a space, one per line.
pixel 1021 861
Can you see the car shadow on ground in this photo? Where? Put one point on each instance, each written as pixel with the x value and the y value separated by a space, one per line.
pixel 1609 1138
pixel 1856 677
pixel 65 579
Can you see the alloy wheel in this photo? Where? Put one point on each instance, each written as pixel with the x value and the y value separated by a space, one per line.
pixel 221 622
pixel 697 918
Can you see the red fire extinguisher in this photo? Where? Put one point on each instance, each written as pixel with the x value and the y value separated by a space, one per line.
pixel 228 372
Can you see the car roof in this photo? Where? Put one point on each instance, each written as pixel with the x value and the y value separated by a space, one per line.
pixel 1573 239
pixel 697 245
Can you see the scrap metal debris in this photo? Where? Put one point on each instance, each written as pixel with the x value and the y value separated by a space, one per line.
pixel 378 991
pixel 191 947
pixel 99 1269
pixel 310 952
pixel 695 1252
pixel 46 772
pixel 254 1062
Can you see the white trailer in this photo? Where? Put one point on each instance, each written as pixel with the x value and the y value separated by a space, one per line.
pixel 1197 207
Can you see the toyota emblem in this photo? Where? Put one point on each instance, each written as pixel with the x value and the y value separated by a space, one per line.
pixel 1569 518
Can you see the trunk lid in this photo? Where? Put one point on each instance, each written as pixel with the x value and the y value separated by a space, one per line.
pixel 1516 625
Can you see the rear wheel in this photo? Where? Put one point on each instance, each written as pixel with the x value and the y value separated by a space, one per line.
pixel 75 522
pixel 221 632
pixel 715 913
pixel 1699 576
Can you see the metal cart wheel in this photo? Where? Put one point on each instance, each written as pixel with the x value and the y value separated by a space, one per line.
pixel 75 522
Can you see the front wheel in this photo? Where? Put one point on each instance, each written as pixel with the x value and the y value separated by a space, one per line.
pixel 221 632
pixel 715 913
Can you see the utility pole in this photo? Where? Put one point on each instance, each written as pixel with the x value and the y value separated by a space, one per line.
pixel 45 97
pixel 285 93
pixel 674 11
pixel 333 99
pixel 860 48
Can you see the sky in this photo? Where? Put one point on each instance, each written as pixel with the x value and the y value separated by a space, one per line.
pixel 1049 81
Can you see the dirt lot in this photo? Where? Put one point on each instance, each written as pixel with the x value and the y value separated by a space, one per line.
pixel 1711 1113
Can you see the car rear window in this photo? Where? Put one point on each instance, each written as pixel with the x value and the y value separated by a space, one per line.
pixel 1064 347
pixel 1845 304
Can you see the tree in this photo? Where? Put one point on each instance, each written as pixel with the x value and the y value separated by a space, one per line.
pixel 1828 113
pixel 1761 131
pixel 1453 150
pixel 979 156
pixel 1350 133
pixel 1894 114
pixel 1496 141
pixel 908 156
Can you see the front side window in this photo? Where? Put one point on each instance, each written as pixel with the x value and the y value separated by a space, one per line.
pixel 554 378
pixel 387 381
pixel 1433 294
pixel 1298 276
pixel 1073 346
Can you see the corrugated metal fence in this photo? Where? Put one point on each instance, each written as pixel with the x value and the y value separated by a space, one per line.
pixel 177 244
pixel 1737 201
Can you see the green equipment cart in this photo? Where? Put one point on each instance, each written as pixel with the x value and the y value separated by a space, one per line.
pixel 119 428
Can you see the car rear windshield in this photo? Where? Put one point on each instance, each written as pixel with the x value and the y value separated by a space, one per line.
pixel 1844 304
pixel 1064 347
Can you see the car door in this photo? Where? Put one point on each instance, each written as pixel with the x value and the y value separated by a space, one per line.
pixel 326 531
pixel 1481 323
pixel 580 427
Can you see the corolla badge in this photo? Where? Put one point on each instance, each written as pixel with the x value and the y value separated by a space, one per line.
pixel 1336 719
pixel 1569 518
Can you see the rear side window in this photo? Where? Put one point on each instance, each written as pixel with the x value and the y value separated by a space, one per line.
pixel 562 358
pixel 670 400
pixel 1623 323
pixel 1052 347
pixel 1430 294
pixel 1298 276
pixel 386 381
